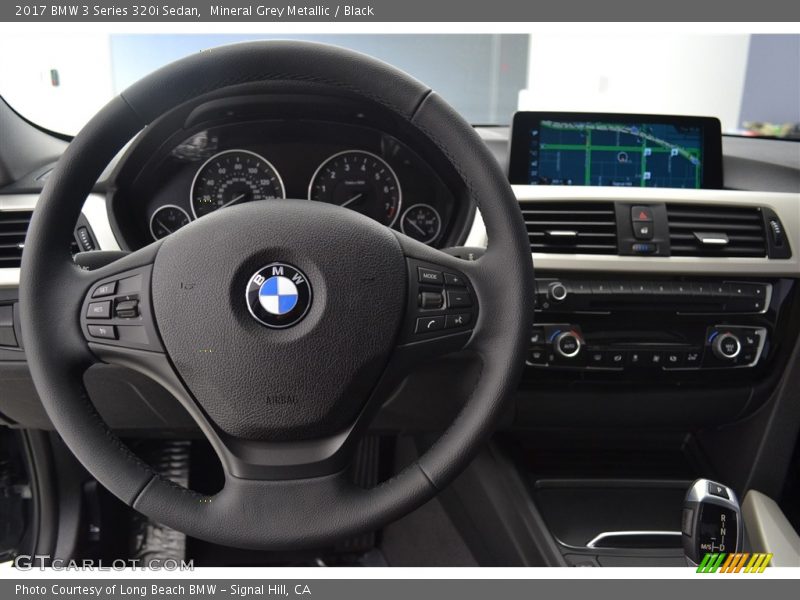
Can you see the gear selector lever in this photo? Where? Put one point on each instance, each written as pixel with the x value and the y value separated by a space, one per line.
pixel 711 522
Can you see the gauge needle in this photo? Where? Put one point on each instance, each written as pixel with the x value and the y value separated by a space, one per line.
pixel 236 199
pixel 417 227
pixel 353 199
pixel 164 226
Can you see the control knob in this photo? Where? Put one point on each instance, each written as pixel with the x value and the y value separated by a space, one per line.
pixel 556 291
pixel 726 346
pixel 567 344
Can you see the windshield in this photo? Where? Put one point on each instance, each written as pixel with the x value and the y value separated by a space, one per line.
pixel 750 82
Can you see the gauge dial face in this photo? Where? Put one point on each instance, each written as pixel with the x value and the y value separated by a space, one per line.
pixel 360 181
pixel 233 177
pixel 421 222
pixel 167 219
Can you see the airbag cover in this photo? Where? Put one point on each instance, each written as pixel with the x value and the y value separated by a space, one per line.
pixel 304 381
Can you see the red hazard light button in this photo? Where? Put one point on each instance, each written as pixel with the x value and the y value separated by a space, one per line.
pixel 641 213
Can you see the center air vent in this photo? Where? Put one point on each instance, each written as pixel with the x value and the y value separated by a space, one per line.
pixel 13 226
pixel 704 230
pixel 571 227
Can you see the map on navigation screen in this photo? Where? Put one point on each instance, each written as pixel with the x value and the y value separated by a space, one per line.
pixel 616 154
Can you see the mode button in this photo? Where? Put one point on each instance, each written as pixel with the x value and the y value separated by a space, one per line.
pixel 429 276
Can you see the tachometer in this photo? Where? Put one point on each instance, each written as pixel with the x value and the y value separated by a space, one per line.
pixel 232 177
pixel 167 219
pixel 360 181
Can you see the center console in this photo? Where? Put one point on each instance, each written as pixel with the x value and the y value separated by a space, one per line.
pixel 638 325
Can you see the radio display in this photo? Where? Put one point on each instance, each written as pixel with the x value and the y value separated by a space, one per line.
pixel 615 150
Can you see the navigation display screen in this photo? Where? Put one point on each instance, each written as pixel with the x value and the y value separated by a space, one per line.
pixel 615 150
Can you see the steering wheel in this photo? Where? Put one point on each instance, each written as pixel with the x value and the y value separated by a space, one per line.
pixel 281 326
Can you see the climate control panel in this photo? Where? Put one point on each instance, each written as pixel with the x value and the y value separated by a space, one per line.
pixel 564 346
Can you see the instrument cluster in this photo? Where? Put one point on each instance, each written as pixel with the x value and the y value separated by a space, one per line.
pixel 351 166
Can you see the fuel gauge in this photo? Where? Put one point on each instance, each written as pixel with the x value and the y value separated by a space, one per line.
pixel 421 222
pixel 167 219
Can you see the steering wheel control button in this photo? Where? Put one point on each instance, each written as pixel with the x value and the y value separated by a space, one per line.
pixel 456 321
pixel 458 299
pixel 99 310
pixel 278 295
pixel 106 332
pixel 441 303
pixel 429 324
pixel 431 300
pixel 107 289
pixel 430 276
pixel 127 308
pixel 454 280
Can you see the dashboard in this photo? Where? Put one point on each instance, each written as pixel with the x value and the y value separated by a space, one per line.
pixel 627 305
pixel 354 166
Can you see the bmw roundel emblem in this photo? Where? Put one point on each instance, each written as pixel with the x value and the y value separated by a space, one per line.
pixel 278 295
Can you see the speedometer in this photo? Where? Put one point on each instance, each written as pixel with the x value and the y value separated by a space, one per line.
pixel 360 181
pixel 232 177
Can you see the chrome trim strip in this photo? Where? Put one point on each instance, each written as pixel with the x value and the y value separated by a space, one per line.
pixel 18 202
pixel 477 234
pixel 613 534
pixel 785 205
pixel 9 278
pixel 95 210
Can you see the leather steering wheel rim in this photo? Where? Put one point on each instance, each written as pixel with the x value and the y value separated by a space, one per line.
pixel 253 512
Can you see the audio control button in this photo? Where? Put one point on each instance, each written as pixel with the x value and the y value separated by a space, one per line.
pixel 556 291
pixel 458 299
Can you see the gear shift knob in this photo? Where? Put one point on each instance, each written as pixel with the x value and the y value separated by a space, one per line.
pixel 712 521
